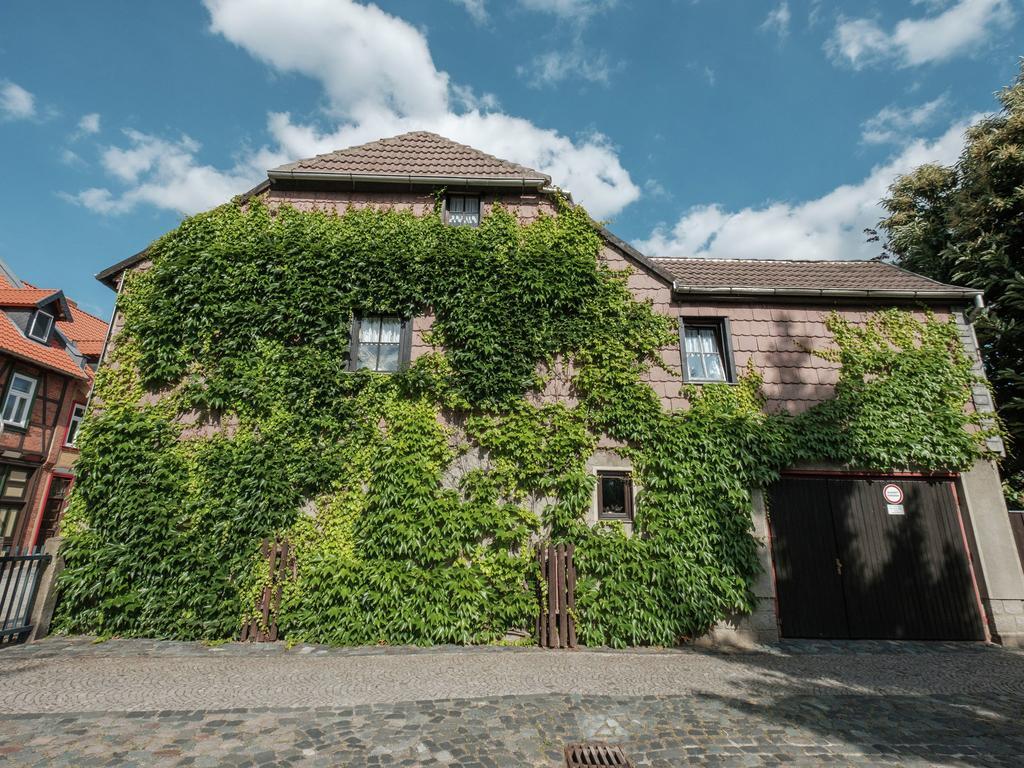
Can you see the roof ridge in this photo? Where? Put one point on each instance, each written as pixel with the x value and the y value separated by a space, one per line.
pixel 421 152
pixel 716 259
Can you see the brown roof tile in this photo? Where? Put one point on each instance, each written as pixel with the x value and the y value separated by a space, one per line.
pixel 416 154
pixel 751 274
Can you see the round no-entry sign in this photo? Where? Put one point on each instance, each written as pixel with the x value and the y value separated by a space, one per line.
pixel 892 493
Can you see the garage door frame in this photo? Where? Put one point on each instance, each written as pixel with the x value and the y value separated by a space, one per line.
pixel 966 530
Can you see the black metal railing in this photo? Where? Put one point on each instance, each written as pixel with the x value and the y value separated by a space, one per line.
pixel 20 574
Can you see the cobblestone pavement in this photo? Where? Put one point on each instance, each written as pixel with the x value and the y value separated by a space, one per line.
pixel 69 702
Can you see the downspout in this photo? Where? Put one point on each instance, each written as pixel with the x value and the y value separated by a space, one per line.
pixel 107 338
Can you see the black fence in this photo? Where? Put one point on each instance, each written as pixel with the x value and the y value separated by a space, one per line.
pixel 20 574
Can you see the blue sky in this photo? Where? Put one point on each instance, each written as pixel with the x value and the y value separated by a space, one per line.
pixel 728 128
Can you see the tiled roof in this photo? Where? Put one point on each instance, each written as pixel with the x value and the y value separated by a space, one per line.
pixel 13 342
pixel 758 274
pixel 24 297
pixel 417 154
pixel 87 331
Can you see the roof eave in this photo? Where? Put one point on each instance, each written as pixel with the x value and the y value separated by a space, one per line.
pixel 966 294
pixel 109 275
pixel 80 374
pixel 634 254
pixel 412 179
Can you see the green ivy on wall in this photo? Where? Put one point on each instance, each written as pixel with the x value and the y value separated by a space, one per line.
pixel 409 498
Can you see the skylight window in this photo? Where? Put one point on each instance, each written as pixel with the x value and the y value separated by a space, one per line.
pixel 40 326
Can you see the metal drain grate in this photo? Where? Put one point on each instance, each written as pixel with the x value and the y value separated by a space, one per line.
pixel 595 753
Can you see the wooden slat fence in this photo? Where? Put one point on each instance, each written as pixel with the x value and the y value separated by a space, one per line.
pixel 556 620
pixel 20 573
pixel 262 628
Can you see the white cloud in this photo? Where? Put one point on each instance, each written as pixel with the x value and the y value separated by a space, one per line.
pixel 958 29
pixel 893 125
pixel 367 60
pixel 551 68
pixel 15 102
pixel 379 80
pixel 165 174
pixel 573 10
pixel 655 188
pixel 828 227
pixel 89 124
pixel 69 157
pixel 477 9
pixel 777 20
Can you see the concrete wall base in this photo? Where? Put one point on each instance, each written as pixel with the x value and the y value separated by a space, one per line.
pixel 744 632
pixel 1006 621
pixel 46 598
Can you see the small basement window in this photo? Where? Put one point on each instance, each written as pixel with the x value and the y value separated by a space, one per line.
pixel 21 390
pixel 463 210
pixel 39 328
pixel 706 349
pixel 614 496
pixel 380 343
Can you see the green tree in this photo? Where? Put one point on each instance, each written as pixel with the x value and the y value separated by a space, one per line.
pixel 965 224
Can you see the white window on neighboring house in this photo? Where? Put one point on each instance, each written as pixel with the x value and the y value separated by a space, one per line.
pixel 40 326
pixel 74 422
pixel 463 210
pixel 21 390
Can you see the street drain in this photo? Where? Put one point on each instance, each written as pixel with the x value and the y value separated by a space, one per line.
pixel 593 753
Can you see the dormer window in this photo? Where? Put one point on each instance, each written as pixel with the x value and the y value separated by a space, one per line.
pixel 40 326
pixel 463 210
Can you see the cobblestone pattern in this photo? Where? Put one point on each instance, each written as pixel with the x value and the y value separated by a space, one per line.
pixel 67 702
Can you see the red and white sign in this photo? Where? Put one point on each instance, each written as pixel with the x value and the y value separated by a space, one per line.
pixel 892 494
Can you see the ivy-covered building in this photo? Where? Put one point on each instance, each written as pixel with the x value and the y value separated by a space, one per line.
pixel 412 360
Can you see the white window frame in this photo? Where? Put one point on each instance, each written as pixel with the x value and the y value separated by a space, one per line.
pixel 29 398
pixel 32 326
pixel 74 424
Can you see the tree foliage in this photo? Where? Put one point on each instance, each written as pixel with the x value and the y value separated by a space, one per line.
pixel 965 224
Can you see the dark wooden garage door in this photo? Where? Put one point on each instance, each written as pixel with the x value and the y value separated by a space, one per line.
pixel 847 568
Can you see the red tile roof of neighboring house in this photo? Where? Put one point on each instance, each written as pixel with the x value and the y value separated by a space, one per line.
pixel 25 297
pixel 14 342
pixel 87 331
pixel 414 155
pixel 751 275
